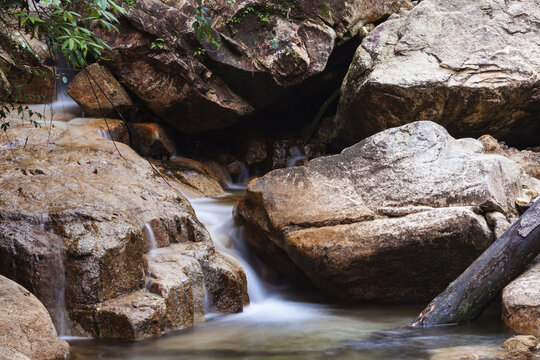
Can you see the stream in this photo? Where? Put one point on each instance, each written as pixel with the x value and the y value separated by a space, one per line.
pixel 281 323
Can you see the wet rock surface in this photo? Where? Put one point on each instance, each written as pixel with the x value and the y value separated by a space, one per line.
pixel 410 195
pixel 75 215
pixel 26 329
pixel 471 67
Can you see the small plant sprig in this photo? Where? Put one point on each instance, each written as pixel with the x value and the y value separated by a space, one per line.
pixel 203 24
pixel 157 44
pixel 199 52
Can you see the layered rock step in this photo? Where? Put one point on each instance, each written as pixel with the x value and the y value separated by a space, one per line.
pixel 469 66
pixel 393 218
pixel 78 215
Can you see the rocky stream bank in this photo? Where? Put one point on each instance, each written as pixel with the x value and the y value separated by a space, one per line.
pixel 374 135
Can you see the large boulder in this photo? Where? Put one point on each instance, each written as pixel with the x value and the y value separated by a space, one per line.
pixel 395 217
pixel 260 48
pixel 98 93
pixel 521 302
pixel 78 213
pixel 471 66
pixel 26 328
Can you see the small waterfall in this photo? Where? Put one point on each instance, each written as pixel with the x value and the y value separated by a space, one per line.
pixel 150 237
pixel 64 108
pixel 229 239
pixel 297 155
pixel 51 288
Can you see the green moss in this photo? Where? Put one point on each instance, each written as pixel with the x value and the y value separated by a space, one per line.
pixel 324 10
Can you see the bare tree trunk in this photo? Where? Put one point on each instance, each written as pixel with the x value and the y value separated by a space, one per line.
pixel 466 297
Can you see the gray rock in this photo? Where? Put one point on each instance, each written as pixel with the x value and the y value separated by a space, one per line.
pixel 521 302
pixel 26 328
pixel 410 195
pixel 469 66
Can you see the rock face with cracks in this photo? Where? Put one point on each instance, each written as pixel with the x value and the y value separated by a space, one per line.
pixel 410 195
pixel 470 66
pixel 78 215
pixel 263 48
pixel 26 329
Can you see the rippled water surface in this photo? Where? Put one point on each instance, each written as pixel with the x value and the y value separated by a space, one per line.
pixel 282 324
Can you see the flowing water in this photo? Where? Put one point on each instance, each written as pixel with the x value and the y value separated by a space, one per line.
pixel 283 324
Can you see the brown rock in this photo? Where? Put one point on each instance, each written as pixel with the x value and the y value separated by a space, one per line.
pixel 226 283
pixel 518 355
pixel 98 93
pixel 265 47
pixel 133 316
pixel 409 195
pixel 200 179
pixel 179 279
pixel 236 167
pixel 150 139
pixel 74 215
pixel 521 302
pixel 444 61
pixel 489 143
pixel 26 329
pixel 9 354
pixel 521 342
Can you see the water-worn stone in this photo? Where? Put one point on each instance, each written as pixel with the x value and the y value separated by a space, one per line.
pixel 26 329
pixel 150 139
pixel 410 195
pixel 73 215
pixel 197 177
pixel 264 48
pixel 133 316
pixel 469 66
pixel 521 302
pixel 521 342
pixel 98 92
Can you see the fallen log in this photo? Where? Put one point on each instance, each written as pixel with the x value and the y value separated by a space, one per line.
pixel 466 297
